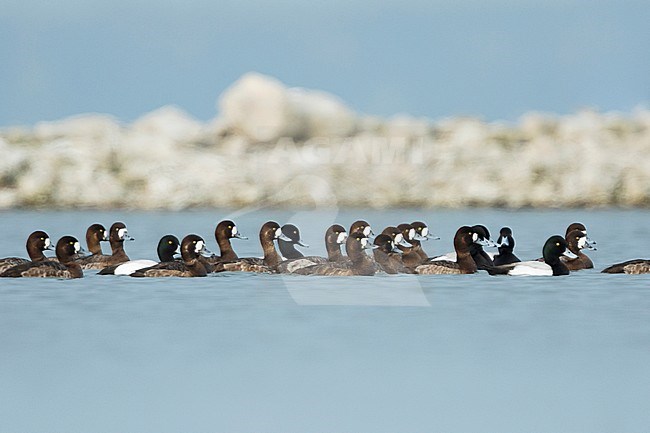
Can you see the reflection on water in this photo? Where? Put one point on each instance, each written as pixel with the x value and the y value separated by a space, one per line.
pixel 283 353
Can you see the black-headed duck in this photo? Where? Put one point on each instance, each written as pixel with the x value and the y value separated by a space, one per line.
pixel 506 246
pixel 554 247
pixel 288 248
pixel 168 245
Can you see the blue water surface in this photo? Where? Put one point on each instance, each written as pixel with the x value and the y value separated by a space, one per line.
pixel 269 353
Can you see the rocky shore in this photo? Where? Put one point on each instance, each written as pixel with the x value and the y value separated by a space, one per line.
pixel 274 145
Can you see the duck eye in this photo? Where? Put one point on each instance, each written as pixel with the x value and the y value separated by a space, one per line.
pixel 42 239
pixel 229 227
pixel 169 242
pixel 557 244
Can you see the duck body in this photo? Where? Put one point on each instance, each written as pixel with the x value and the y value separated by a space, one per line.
pixel 359 263
pixel 634 266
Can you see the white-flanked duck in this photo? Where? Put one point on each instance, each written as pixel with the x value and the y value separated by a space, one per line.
pixel 167 247
pixel 192 248
pixel 554 248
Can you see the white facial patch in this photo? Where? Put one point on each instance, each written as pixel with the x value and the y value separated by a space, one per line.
pixel 47 243
pixel 77 247
pixel 234 230
pixel 364 242
pixel 582 242
pixel 475 237
pixel 425 231
pixel 278 233
pixel 367 231
pixel 199 246
pixel 504 241
pixel 399 238
pixel 121 233
pixel 411 233
pixel 341 238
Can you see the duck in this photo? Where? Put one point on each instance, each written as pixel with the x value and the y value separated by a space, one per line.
pixel 397 236
pixel 37 242
pixel 506 245
pixel 192 248
pixel 66 249
pixel 421 234
pixel 335 236
pixel 225 231
pixel 580 227
pixel 554 247
pixel 117 235
pixel 464 239
pixel 269 232
pixel 363 227
pixel 388 257
pixel 288 248
pixel 634 266
pixel 168 245
pixel 359 264
pixel 411 257
pixel 480 257
pixel 577 240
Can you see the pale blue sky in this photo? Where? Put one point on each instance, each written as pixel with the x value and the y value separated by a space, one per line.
pixel 495 59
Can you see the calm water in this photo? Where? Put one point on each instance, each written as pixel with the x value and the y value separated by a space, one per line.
pixel 264 353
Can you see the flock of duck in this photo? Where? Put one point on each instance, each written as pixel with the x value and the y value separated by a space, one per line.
pixel 397 249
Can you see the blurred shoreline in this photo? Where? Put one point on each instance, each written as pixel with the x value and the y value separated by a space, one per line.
pixel 273 146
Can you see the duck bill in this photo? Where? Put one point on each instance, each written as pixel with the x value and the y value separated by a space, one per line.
pixel 238 236
pixel 302 244
pixel 396 250
pixel 206 252
pixel 569 254
pixel 284 237
pixel 404 243
pixel 485 243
